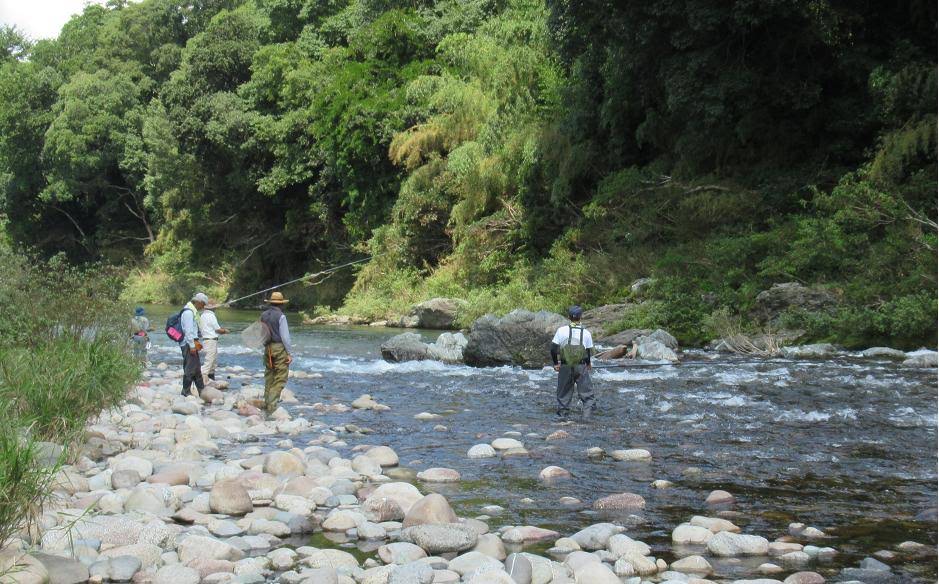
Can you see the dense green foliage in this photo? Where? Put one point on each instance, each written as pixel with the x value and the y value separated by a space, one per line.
pixel 508 152
pixel 64 357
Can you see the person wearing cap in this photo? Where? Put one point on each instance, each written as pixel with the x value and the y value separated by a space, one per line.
pixel 209 330
pixel 570 353
pixel 140 333
pixel 190 344
pixel 278 353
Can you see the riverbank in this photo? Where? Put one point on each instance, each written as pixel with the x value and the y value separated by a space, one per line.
pixel 173 490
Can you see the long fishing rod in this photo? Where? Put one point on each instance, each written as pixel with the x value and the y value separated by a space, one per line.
pixel 294 281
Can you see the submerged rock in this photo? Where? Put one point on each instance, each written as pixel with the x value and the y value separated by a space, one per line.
pixel 816 351
pixel 405 347
pixel 883 352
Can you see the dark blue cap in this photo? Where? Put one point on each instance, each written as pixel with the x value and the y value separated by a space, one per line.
pixel 575 312
pixel 138 311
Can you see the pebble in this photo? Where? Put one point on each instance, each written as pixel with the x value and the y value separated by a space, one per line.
pixel 481 451
pixel 719 497
pixel 735 544
pixel 554 472
pixel 633 454
pixel 769 569
pixel 439 475
pixel 620 501
pixel 557 435
pixel 506 444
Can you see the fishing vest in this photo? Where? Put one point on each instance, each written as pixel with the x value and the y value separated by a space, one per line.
pixel 271 317
pixel 572 354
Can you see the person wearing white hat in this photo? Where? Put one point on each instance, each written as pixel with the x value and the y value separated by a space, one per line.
pixel 190 345
pixel 277 351
pixel 209 330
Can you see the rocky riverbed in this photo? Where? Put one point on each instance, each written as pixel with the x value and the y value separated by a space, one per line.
pixel 374 473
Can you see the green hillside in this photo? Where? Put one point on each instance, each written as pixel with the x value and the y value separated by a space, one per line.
pixel 512 153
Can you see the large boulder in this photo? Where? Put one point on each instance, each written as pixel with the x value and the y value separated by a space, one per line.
pixel 771 304
pixel 923 358
pixel 448 348
pixel 653 350
pixel 437 313
pixel 405 347
pixel 518 338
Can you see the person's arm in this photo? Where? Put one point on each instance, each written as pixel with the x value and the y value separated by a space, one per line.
pixel 219 330
pixel 285 335
pixel 589 350
pixel 554 354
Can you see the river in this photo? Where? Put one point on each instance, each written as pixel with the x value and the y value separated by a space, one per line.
pixel 845 445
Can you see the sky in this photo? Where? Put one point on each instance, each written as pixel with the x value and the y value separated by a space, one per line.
pixel 41 19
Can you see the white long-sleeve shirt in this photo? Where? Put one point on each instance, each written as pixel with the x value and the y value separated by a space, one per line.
pixel 188 321
pixel 285 334
pixel 208 324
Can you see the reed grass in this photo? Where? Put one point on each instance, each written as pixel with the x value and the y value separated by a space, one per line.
pixel 64 357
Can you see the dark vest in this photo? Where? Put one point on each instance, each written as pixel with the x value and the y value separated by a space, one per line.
pixel 271 317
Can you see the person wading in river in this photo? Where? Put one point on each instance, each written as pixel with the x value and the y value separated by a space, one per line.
pixel 277 351
pixel 190 344
pixel 210 330
pixel 572 343
pixel 140 333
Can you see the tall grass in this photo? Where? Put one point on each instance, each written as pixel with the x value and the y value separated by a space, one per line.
pixel 64 356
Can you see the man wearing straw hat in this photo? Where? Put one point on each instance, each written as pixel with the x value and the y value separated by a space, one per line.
pixel 277 351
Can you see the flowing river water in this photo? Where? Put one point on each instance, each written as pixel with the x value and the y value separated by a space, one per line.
pixel 845 445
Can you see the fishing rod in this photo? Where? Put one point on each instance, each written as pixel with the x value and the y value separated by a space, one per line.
pixel 294 281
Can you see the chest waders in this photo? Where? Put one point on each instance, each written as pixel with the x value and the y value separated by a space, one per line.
pixel 572 354
pixel 574 374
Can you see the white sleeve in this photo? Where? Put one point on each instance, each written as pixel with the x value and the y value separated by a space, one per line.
pixel 557 340
pixel 588 339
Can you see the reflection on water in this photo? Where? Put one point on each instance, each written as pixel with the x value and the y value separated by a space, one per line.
pixel 846 446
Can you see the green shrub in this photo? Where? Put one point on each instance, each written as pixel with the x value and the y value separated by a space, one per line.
pixel 59 384
pixel 24 476
pixel 64 356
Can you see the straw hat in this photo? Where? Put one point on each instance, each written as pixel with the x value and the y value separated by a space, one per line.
pixel 277 298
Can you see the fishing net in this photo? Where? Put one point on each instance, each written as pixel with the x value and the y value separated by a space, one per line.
pixel 256 336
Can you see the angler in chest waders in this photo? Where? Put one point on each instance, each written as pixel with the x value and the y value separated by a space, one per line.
pixel 570 353
pixel 278 353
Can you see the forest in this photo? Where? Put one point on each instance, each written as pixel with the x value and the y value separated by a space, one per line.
pixel 509 153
